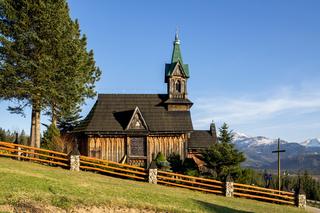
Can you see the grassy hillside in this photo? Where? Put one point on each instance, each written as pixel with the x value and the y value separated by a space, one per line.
pixel 25 184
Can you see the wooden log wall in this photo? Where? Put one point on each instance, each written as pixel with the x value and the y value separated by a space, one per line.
pixel 115 148
pixel 107 148
pixel 167 145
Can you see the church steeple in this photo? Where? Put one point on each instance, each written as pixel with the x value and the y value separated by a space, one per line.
pixel 176 54
pixel 176 75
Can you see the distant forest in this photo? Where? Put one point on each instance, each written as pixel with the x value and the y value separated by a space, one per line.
pixel 10 136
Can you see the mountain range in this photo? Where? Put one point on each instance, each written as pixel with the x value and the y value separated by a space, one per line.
pixel 297 156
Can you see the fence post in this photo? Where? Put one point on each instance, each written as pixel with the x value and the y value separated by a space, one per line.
pixel 229 189
pixel 300 197
pixel 153 173
pixel 74 159
pixel 19 148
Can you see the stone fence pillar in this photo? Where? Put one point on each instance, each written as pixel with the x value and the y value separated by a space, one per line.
pixel 19 153
pixel 300 196
pixel 74 162
pixel 301 200
pixel 74 159
pixel 153 173
pixel 229 188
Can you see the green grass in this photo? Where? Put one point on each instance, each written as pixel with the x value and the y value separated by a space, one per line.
pixel 23 182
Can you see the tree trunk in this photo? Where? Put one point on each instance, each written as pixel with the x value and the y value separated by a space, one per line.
pixel 35 127
pixel 32 129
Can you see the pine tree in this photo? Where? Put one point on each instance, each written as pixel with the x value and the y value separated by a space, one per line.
pixel 23 138
pixel 223 158
pixel 74 73
pixel 69 120
pixel 225 136
pixel 44 61
pixel 50 137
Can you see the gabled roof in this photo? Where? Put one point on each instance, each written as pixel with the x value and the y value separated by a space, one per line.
pixel 137 121
pixel 169 69
pixel 201 139
pixel 113 112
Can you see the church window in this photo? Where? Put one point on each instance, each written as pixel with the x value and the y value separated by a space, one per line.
pixel 178 86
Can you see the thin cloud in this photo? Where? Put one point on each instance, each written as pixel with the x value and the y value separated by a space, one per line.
pixel 242 110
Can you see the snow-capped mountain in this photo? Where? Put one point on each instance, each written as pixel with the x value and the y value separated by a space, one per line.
pixel 244 140
pixel 241 138
pixel 258 151
pixel 315 142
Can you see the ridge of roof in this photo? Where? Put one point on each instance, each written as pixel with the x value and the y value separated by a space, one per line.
pixel 112 113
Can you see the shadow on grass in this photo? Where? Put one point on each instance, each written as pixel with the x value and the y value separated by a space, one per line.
pixel 210 207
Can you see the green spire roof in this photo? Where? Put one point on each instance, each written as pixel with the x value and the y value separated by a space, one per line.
pixel 176 54
pixel 176 58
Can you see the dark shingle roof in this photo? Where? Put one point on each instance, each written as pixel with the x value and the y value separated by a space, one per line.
pixel 201 139
pixel 112 112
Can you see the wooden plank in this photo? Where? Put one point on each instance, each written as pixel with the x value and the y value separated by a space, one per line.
pixel 98 148
pixel 261 188
pixel 34 159
pixel 112 152
pixel 110 172
pixel 266 193
pixel 121 153
pixel 108 148
pixel 263 198
pixel 192 182
pixel 90 146
pixel 111 162
pixel 155 146
pixel 33 153
pixel 103 148
pixel 32 148
pixel 117 153
pixel 114 168
pixel 190 187
pixel 190 177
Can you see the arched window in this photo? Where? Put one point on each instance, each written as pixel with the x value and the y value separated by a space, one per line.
pixel 178 86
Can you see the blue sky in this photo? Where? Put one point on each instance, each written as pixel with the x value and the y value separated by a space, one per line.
pixel 253 64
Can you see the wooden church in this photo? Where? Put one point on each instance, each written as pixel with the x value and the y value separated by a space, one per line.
pixel 133 128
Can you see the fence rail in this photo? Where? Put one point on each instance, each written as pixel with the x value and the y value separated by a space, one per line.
pixel 34 154
pixel 264 194
pixel 190 182
pixel 115 169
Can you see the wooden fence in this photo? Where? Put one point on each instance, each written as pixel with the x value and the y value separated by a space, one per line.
pixel 34 154
pixel 190 182
pixel 263 194
pixel 114 169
